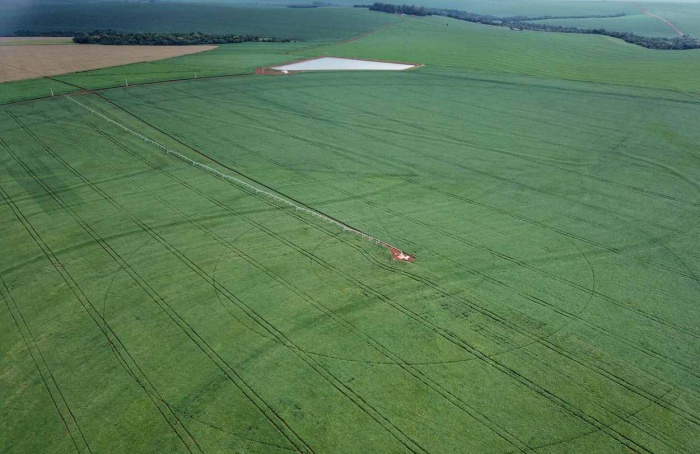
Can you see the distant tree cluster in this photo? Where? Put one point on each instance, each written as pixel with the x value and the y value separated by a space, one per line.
pixel 114 38
pixel 525 23
pixel 548 17
pixel 469 17
pixel 400 9
pixel 472 17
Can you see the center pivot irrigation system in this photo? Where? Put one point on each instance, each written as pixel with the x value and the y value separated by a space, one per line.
pixel 396 253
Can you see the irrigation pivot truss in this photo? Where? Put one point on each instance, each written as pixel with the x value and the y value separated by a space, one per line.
pixel 396 253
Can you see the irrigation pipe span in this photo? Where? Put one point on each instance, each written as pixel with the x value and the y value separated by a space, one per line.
pixel 396 252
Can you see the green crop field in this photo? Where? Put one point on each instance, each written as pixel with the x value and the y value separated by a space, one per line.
pixel 686 17
pixel 547 185
pixel 458 45
pixel 321 24
pixel 531 7
pixel 638 23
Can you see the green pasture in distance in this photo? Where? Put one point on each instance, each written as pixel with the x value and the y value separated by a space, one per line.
pixel 499 7
pixel 685 16
pixel 552 306
pixel 310 25
pixel 531 7
pixel 459 45
pixel 429 41
pixel 638 23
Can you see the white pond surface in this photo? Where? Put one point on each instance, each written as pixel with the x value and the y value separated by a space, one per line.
pixel 342 64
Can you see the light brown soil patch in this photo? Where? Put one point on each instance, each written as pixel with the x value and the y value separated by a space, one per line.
pixel 397 254
pixel 267 71
pixel 31 61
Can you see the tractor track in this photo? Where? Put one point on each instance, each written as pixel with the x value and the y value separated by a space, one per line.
pixel 620 304
pixel 123 356
pixel 396 359
pixel 504 369
pixel 355 398
pixel 47 377
pixel 262 406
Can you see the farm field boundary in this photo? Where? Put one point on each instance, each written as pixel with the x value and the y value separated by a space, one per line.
pixel 222 62
pixel 43 86
pixel 31 61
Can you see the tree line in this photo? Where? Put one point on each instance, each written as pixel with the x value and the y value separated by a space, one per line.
pixel 526 23
pixel 473 17
pixel 400 9
pixel 678 43
pixel 114 38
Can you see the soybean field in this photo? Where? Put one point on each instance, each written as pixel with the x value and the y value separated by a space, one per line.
pixel 149 305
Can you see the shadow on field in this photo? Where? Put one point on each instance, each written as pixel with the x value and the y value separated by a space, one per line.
pixel 51 179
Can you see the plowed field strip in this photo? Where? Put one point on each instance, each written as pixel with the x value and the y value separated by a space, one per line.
pixel 26 62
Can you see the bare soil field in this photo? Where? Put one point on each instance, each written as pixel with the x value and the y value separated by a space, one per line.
pixel 31 61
